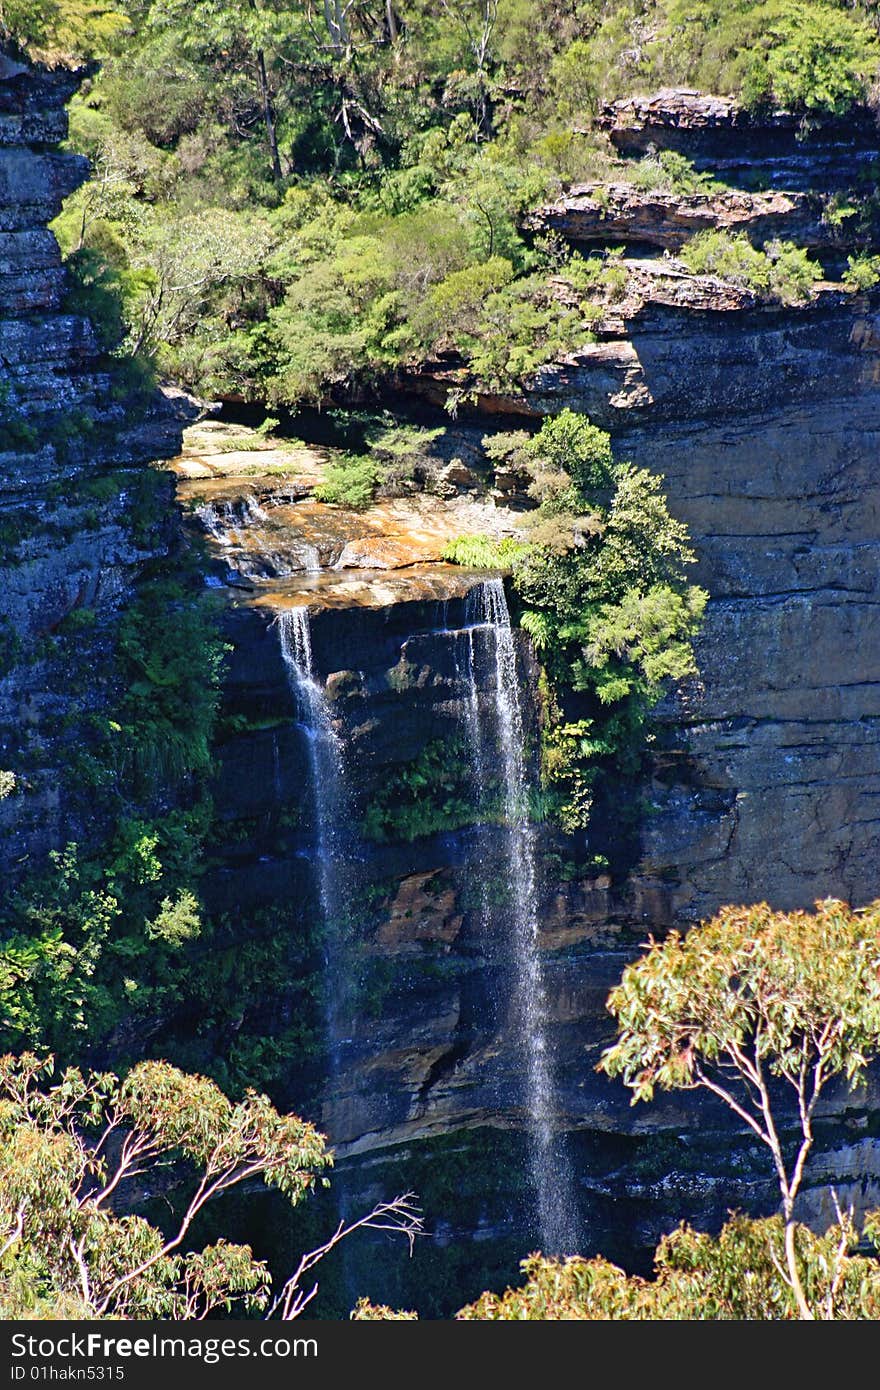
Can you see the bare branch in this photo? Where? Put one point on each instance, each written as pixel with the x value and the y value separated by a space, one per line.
pixel 703 1079
pixel 76 1250
pixel 399 1217
pixel 16 1232
pixel 844 1220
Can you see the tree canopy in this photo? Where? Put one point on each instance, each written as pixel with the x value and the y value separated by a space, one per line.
pixel 76 1151
pixel 764 1010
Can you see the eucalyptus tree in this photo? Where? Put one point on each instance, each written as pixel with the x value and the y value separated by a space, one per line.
pixel 77 1152
pixel 764 1010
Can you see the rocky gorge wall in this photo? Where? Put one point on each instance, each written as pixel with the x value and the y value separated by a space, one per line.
pixel 80 512
pixel 763 420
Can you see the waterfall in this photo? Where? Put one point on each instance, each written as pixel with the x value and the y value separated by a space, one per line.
pixel 494 723
pixel 327 792
pixel 332 863
pixel 497 742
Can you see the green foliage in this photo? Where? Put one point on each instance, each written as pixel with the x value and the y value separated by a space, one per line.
pixel 93 938
pixel 171 657
pixel 16 432
pixel 67 29
pixel 453 311
pixel 432 793
pixel 736 1275
pixel 788 989
pixel 752 1004
pixel 66 1145
pixel 522 327
pixel 599 569
pixel 282 213
pixel 176 921
pixel 483 552
pixel 814 56
pixel 862 272
pixel 671 172
pixel 95 291
pixel 351 482
pixel 10 646
pixel 365 1311
pixel 568 443
pixel 782 271
pixel 98 935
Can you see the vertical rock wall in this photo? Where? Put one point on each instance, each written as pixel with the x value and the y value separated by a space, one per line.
pixel 79 512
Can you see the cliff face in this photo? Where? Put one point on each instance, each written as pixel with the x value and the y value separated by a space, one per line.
pixel 773 148
pixel 765 427
pixel 80 514
pixel 764 421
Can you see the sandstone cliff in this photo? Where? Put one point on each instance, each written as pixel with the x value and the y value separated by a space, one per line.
pixel 764 421
pixel 79 514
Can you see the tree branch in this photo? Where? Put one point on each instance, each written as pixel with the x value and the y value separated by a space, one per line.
pixel 399 1217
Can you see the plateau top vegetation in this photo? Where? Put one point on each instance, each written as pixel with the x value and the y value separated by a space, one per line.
pixel 295 201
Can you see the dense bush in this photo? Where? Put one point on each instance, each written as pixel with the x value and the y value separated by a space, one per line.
pixel 95 937
pixel 736 1275
pixel 285 211
pixel 782 271
pixel 599 572
pixel 351 482
pixel 816 56
pixel 862 272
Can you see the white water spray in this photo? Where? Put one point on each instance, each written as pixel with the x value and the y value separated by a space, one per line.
pixel 327 790
pixel 497 742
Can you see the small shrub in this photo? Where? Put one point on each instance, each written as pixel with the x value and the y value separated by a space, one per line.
pixel 522 327
pixel 781 272
pixel 80 620
pixel 671 172
pixel 352 482
pixel 480 552
pixel 862 272
pixel 432 793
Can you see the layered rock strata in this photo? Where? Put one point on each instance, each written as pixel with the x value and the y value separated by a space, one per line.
pixel 774 148
pixel 765 422
pixel 79 513
pixel 591 214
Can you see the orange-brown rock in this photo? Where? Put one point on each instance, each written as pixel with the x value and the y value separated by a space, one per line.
pixel 424 909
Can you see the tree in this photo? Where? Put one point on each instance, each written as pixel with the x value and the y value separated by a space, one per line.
pixel 189 270
pixel 761 1009
pixel 61 28
pixel 243 44
pixel 70 1150
pixel 732 1276
pixel 478 21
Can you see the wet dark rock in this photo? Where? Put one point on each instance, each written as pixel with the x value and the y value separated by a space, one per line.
pixel 63 427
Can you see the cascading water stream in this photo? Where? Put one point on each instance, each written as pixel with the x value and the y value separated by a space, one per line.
pixel 332 862
pixel 327 790
pixel 494 726
pixel 498 743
